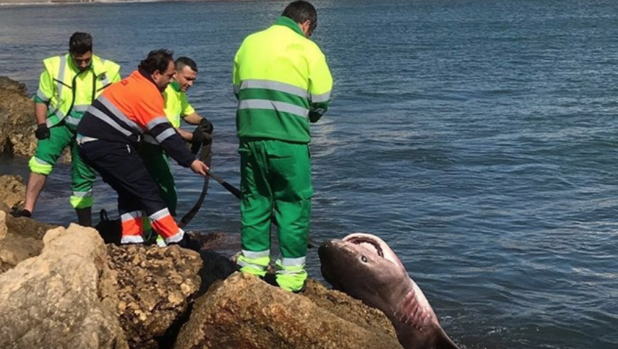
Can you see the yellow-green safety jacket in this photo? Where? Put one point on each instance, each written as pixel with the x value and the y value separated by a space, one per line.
pixel 68 92
pixel 176 107
pixel 282 83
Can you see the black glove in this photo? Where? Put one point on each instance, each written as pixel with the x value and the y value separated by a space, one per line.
pixel 202 133
pixel 42 132
pixel 205 126
pixel 198 136
pixel 202 136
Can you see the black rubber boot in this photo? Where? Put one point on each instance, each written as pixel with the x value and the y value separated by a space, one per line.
pixel 84 216
pixel 21 213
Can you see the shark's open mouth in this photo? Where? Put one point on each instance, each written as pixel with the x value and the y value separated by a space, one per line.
pixel 364 241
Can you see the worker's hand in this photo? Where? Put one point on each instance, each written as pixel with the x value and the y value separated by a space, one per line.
pixel 42 132
pixel 198 136
pixel 199 167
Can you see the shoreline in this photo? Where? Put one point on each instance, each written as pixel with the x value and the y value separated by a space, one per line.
pixel 19 3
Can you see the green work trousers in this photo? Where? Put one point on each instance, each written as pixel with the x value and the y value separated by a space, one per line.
pixel 276 187
pixel 47 153
pixel 157 164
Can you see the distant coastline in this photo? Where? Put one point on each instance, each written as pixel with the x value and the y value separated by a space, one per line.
pixel 65 2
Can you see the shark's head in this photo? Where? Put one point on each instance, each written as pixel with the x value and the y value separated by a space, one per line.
pixel 363 266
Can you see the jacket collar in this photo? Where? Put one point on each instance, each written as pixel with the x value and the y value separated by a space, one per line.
pixel 290 23
pixel 175 86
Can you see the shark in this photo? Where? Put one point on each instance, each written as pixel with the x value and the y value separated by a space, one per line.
pixel 366 268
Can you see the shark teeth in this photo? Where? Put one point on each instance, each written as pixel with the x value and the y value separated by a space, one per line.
pixel 364 241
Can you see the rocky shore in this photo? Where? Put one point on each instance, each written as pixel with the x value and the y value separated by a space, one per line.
pixel 63 287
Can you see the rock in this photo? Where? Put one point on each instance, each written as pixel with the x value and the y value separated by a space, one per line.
pixel 12 191
pixel 60 299
pixel 12 85
pixel 349 309
pixel 155 288
pixel 17 121
pixel 3 228
pixel 23 239
pixel 245 312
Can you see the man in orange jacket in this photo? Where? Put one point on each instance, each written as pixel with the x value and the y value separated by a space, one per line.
pixel 108 136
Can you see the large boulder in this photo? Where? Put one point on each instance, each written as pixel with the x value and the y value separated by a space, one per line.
pixel 155 288
pixel 12 191
pixel 62 298
pixel 17 121
pixel 245 312
pixel 22 239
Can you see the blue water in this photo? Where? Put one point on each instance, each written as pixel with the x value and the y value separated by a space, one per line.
pixel 477 137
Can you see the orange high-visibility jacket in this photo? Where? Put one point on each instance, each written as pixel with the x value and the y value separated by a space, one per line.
pixel 128 109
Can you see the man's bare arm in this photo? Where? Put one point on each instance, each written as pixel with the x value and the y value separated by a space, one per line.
pixel 192 119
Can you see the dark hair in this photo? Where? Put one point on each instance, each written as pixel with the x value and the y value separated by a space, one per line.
pixel 80 43
pixel 182 62
pixel 300 11
pixel 157 60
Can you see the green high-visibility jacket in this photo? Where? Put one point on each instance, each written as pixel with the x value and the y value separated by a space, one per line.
pixel 282 83
pixel 68 92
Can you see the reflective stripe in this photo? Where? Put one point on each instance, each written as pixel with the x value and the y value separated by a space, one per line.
pixel 82 194
pixel 40 162
pixel 60 85
pixel 42 96
pixel 130 216
pixel 255 255
pixel 117 113
pixel 150 139
pixel 324 97
pixel 156 121
pixel 159 214
pixel 81 108
pixel 132 239
pixel 99 114
pixel 292 262
pixel 39 166
pixel 275 86
pixel 81 139
pixel 55 118
pixel 243 263
pixel 165 135
pixel 160 241
pixel 290 271
pixel 71 120
pixel 81 202
pixel 176 237
pixel 272 105
pixel 236 89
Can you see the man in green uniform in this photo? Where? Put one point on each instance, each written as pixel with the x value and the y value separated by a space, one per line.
pixel 67 87
pixel 282 83
pixel 176 108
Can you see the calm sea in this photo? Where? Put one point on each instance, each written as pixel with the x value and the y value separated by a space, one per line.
pixel 477 137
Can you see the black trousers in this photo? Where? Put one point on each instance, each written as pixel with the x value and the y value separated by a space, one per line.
pixel 123 169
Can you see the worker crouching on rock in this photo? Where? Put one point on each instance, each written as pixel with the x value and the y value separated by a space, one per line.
pixel 108 137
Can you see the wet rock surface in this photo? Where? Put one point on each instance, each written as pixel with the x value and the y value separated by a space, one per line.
pixel 155 288
pixel 17 121
pixel 59 299
pixel 245 312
